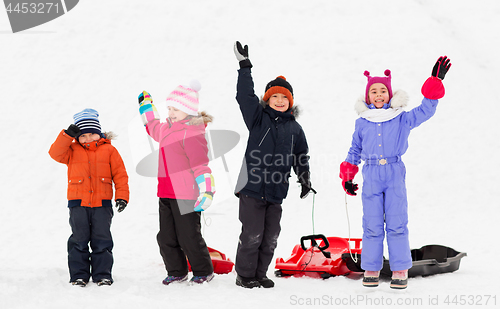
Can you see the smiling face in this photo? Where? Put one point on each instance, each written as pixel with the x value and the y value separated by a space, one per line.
pixel 88 137
pixel 175 114
pixel 279 102
pixel 378 95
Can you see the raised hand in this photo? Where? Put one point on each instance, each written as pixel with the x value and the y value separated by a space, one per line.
pixel 147 109
pixel 433 87
pixel 441 67
pixel 242 55
pixel 73 131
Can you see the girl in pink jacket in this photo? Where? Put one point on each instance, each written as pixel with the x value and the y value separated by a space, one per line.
pixel 185 183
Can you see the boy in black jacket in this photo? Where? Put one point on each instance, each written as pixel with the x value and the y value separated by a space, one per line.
pixel 276 144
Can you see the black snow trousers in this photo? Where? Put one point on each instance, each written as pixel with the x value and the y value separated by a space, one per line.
pixel 90 225
pixel 180 236
pixel 260 229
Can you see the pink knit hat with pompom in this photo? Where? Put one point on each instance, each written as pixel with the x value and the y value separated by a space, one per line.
pixel 376 79
pixel 186 98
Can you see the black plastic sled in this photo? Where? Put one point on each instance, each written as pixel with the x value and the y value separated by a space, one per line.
pixel 428 260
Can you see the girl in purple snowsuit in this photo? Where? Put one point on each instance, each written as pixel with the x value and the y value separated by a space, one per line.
pixel 380 139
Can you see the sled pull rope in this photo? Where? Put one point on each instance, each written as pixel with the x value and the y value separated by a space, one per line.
pixel 206 221
pixel 349 231
pixel 314 198
pixel 312 251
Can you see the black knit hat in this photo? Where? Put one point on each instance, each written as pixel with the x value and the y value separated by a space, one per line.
pixel 279 85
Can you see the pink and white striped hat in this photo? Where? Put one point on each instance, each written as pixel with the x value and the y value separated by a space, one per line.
pixel 185 98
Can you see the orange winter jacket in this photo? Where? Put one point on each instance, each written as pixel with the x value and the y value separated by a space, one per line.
pixel 92 169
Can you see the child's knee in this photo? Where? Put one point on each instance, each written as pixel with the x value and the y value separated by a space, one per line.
pixel 373 227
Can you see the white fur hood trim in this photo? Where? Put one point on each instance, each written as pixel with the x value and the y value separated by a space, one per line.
pixel 399 101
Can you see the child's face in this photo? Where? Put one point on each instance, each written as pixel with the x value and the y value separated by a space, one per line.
pixel 279 102
pixel 88 137
pixel 175 114
pixel 378 95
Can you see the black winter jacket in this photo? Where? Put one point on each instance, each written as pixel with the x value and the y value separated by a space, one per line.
pixel 276 144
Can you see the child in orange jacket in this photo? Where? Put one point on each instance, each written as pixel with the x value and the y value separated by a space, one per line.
pixel 93 166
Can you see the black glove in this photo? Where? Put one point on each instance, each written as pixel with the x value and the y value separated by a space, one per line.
pixel 73 131
pixel 121 204
pixel 350 187
pixel 242 55
pixel 441 67
pixel 304 179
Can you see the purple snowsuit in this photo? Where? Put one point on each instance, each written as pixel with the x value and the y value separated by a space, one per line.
pixel 380 139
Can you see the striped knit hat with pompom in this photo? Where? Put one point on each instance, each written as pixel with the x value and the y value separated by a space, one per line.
pixel 88 121
pixel 185 98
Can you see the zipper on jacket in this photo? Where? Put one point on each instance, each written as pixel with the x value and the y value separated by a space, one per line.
pixel 264 136
pixel 291 147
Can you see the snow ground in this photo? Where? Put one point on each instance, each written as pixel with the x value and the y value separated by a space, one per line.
pixel 102 54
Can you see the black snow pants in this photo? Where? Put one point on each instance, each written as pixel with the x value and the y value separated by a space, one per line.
pixel 90 225
pixel 180 236
pixel 260 229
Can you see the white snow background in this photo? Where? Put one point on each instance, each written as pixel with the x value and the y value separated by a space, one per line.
pixel 102 54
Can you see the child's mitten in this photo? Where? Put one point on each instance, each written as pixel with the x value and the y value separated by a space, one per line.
pixel 147 109
pixel 121 204
pixel 350 187
pixel 347 173
pixel 242 55
pixel 207 189
pixel 433 87
pixel 73 131
pixel 305 182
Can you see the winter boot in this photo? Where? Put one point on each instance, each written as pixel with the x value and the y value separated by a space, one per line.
pixel 173 279
pixel 399 279
pixel 103 282
pixel 201 279
pixel 370 278
pixel 265 282
pixel 79 282
pixel 248 283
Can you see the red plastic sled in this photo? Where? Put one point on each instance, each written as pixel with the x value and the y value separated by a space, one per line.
pixel 222 265
pixel 318 261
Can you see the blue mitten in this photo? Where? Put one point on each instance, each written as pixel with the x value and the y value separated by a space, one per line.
pixel 207 189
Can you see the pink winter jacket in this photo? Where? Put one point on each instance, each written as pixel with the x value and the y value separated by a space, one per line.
pixel 182 156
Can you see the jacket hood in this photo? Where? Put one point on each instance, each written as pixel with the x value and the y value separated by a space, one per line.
pixel 399 100
pixel 109 135
pixel 202 118
pixel 295 110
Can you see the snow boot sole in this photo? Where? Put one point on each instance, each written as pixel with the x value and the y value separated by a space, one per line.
pixel 370 282
pixel 248 283
pixel 79 282
pixel 173 279
pixel 399 284
pixel 266 283
pixel 104 282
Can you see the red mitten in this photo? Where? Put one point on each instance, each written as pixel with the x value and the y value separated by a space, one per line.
pixel 433 88
pixel 347 173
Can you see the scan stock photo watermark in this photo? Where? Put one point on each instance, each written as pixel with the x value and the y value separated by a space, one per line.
pixel 25 14
pixel 372 300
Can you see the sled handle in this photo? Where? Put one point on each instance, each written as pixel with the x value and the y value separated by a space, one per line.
pixel 313 239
